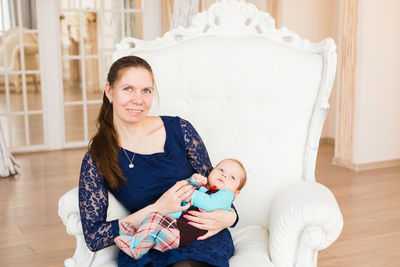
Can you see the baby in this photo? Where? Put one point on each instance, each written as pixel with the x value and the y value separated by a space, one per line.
pixel 163 232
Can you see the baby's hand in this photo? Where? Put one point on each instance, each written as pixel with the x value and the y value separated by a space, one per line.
pixel 200 179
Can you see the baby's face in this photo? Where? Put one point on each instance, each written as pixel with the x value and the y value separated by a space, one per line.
pixel 226 175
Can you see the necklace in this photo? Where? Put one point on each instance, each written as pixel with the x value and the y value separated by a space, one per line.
pixel 130 160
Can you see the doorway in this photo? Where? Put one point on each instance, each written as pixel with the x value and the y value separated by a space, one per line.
pixel 54 57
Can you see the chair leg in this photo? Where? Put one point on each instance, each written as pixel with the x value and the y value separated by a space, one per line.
pixel 35 83
pixel 17 86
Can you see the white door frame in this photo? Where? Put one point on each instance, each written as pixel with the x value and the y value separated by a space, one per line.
pixel 51 75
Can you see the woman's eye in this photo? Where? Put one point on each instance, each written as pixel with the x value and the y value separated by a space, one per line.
pixel 147 91
pixel 127 89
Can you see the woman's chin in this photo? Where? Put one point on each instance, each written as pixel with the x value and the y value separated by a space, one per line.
pixel 136 117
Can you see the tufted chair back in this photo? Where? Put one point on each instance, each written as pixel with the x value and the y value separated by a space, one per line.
pixel 253 93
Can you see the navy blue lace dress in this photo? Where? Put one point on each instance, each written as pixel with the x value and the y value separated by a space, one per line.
pixel 184 154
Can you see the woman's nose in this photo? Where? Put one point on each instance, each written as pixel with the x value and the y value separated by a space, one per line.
pixel 136 98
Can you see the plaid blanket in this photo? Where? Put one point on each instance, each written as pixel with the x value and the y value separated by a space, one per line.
pixel 157 231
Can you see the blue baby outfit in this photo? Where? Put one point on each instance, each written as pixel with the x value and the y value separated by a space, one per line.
pixel 222 199
pixel 184 154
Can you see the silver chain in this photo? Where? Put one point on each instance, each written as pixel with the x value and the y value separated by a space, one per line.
pixel 130 160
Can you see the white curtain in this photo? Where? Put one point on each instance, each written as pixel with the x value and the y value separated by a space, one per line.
pixel 131 29
pixel 183 13
pixel 9 20
pixel 10 14
pixel 28 11
pixel 7 162
pixel 130 21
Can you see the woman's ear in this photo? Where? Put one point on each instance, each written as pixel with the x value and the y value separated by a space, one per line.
pixel 109 92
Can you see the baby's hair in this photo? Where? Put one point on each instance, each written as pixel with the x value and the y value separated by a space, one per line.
pixel 244 178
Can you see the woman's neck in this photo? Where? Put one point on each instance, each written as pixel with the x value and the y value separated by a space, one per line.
pixel 145 137
pixel 129 134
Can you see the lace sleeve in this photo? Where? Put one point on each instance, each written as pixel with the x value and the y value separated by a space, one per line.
pixel 93 204
pixel 197 152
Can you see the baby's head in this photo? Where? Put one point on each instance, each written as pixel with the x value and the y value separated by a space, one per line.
pixel 228 174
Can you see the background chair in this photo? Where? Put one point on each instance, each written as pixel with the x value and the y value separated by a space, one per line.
pixel 254 93
pixel 12 47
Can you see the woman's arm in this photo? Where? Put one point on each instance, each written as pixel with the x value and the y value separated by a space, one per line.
pixel 213 221
pixel 169 202
pixel 196 150
pixel 93 205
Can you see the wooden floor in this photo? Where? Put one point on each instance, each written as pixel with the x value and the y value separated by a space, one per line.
pixel 31 233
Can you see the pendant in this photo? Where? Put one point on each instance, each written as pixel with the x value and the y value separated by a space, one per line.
pixel 131 166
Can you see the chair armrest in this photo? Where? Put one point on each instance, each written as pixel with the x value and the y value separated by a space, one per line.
pixel 305 218
pixel 30 49
pixel 68 210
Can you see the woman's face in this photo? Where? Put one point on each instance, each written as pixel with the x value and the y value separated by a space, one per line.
pixel 131 95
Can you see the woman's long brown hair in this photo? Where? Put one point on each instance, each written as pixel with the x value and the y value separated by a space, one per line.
pixel 104 146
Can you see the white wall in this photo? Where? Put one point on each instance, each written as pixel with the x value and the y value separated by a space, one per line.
pixel 314 20
pixel 377 128
pixel 260 4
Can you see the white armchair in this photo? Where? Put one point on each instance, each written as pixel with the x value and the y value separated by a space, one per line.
pixel 13 62
pixel 257 94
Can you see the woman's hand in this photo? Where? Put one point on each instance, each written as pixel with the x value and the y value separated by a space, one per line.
pixel 171 200
pixel 212 221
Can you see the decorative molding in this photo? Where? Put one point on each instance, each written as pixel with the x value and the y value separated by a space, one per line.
pixel 214 21
pixel 347 75
pixel 367 166
pixel 217 21
pixel 376 165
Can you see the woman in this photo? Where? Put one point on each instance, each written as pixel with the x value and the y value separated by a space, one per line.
pixel 143 161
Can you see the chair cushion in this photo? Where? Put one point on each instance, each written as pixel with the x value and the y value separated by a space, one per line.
pixel 251 247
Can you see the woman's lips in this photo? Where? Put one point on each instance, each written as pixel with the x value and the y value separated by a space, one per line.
pixel 134 110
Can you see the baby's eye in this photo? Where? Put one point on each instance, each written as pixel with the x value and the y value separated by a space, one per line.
pixel 233 177
pixel 220 169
